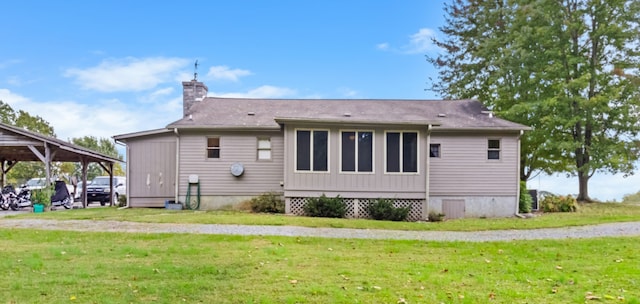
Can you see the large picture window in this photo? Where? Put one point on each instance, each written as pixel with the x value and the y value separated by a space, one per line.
pixel 357 151
pixel 402 152
pixel 312 148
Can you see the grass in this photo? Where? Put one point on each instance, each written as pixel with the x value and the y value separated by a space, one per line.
pixel 588 214
pixel 91 267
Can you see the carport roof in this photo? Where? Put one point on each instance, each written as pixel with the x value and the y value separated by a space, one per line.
pixel 17 144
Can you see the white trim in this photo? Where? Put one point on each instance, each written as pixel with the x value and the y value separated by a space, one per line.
pixel 400 153
pixel 373 152
pixel 499 149
pixel 258 149
pixel 311 135
pixel 207 148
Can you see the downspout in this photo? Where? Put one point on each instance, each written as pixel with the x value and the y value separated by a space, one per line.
pixel 127 172
pixel 517 211
pixel 177 185
pixel 425 212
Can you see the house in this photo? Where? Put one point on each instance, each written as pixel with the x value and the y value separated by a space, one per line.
pixel 449 156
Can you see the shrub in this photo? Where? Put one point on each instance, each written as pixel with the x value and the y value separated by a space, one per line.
pixel 559 204
pixel 324 206
pixel 267 202
pixel 435 216
pixel 633 198
pixel 122 200
pixel 383 209
pixel 524 205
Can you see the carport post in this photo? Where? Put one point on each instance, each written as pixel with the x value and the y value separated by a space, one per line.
pixel 85 164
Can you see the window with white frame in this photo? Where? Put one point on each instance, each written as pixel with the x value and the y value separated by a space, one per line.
pixel 402 152
pixel 213 147
pixel 357 151
pixel 264 148
pixel 312 150
pixel 493 151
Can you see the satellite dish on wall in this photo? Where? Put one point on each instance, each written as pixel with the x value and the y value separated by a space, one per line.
pixel 237 169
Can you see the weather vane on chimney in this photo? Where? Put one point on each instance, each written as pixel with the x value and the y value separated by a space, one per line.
pixel 195 70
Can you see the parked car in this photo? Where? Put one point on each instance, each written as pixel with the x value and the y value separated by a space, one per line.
pixel 99 190
pixel 36 183
pixel 78 193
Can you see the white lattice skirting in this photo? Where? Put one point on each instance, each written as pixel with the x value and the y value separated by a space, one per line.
pixel 357 207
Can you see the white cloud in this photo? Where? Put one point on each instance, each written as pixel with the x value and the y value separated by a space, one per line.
pixel 419 43
pixel 128 74
pixel 224 73
pixel 14 100
pixel 349 93
pixel 10 62
pixel 265 91
pixel 383 46
pixel 104 118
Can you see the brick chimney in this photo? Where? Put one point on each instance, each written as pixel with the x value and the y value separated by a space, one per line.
pixel 192 92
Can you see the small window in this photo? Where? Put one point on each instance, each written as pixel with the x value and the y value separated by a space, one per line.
pixel 213 147
pixel 264 148
pixel 434 150
pixel 494 149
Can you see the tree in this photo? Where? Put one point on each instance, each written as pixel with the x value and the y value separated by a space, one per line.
pixel 23 171
pixel 101 145
pixel 567 68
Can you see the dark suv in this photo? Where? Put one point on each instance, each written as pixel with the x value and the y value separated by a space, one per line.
pixel 99 190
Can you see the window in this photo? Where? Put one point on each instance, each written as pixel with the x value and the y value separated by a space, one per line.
pixel 264 148
pixel 357 151
pixel 213 147
pixel 312 148
pixel 434 150
pixel 494 149
pixel 402 151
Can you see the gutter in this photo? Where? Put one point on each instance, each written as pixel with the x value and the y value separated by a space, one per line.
pixel 425 212
pixel 517 211
pixel 177 181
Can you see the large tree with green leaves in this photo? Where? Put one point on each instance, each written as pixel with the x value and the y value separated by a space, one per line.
pixel 104 146
pixel 567 68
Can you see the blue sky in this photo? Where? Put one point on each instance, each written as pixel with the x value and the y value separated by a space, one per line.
pixel 103 68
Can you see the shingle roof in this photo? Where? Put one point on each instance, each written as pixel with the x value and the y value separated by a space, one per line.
pixel 230 113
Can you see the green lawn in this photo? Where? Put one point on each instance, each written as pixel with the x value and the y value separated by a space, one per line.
pixel 89 267
pixel 587 214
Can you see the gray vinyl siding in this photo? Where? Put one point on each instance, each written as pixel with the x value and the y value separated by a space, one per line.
pixel 375 184
pixel 152 170
pixel 464 170
pixel 214 174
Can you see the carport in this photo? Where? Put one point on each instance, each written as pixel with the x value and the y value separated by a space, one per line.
pixel 19 145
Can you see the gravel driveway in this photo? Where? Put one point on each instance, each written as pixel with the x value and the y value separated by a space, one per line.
pixel 603 230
